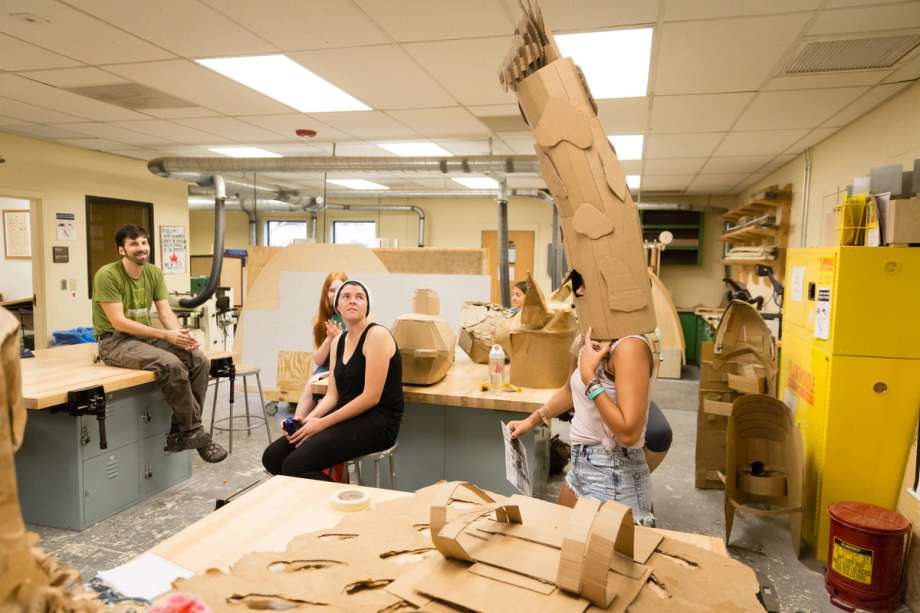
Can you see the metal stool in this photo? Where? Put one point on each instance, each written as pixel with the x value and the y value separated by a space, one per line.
pixel 225 368
pixel 376 457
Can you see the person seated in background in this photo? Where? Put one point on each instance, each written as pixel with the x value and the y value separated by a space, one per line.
pixel 518 293
pixel 123 293
pixel 610 390
pixel 363 406
pixel 326 326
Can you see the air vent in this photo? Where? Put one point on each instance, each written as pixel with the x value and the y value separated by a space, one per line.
pixel 131 96
pixel 851 54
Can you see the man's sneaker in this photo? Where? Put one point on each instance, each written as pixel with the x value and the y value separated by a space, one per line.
pixel 212 452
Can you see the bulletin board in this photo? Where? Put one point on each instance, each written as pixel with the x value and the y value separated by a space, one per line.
pixel 174 249
pixel 17 234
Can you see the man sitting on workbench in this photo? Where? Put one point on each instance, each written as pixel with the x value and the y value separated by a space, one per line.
pixel 123 293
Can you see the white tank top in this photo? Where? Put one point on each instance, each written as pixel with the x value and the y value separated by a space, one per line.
pixel 588 427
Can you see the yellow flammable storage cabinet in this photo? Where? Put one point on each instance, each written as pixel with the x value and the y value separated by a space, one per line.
pixel 850 369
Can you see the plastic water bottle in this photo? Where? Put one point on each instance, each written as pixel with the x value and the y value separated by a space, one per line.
pixel 496 367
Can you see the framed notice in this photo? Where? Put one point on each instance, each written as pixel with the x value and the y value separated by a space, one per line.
pixel 17 234
pixel 174 249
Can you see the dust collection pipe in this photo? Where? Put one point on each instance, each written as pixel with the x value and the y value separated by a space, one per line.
pixel 220 196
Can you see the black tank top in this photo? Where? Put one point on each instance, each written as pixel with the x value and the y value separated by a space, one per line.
pixel 349 379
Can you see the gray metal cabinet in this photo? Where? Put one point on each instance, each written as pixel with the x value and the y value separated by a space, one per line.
pixel 66 481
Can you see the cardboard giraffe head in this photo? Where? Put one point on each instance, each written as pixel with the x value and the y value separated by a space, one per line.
pixel 601 232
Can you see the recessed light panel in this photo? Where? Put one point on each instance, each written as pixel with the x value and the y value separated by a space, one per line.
pixel 615 62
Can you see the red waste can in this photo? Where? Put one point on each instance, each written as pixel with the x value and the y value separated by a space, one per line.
pixel 867 550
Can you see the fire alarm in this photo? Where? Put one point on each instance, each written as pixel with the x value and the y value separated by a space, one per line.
pixel 305 133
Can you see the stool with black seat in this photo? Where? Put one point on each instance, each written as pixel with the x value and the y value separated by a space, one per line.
pixel 377 457
pixel 224 368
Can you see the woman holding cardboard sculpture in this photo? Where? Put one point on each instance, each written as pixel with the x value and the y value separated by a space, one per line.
pixel 363 405
pixel 610 391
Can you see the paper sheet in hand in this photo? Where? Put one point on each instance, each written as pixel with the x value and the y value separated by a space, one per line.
pixel 516 470
pixel 146 576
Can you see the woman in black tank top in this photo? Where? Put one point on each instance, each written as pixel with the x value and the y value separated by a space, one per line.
pixel 363 405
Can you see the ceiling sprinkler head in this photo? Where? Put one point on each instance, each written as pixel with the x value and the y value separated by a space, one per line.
pixel 305 133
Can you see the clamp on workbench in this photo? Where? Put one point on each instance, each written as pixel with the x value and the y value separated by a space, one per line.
pixel 87 401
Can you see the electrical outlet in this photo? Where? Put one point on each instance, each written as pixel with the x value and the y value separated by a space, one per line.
pixel 64 285
pixel 72 284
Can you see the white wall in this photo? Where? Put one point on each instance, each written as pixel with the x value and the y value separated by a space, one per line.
pixel 16 280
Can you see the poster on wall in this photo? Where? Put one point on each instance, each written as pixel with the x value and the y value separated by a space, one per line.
pixel 65 223
pixel 174 249
pixel 17 234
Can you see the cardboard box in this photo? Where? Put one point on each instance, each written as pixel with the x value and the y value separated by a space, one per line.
pixel 426 302
pixel 901 220
pixel 426 346
pixel 670 363
pixel 746 385
pixel 540 359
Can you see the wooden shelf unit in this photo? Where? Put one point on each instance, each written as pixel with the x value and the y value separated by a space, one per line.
pixel 772 201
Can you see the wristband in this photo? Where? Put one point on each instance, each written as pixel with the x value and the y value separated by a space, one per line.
pixel 594 390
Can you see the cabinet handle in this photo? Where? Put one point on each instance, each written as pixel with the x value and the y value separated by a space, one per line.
pixel 147 472
pixel 146 416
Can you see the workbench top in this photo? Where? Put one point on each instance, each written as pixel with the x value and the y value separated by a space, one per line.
pixel 52 373
pixel 460 388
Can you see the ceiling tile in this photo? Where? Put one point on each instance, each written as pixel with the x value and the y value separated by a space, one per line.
pixel 116 133
pixel 182 112
pixel 715 183
pixel 200 86
pixel 418 20
pixel 518 182
pixel 665 182
pixel 811 139
pixel 520 146
pixel 231 128
pixel 311 149
pixel 139 154
pixel 25 90
pixel 816 81
pixel 466 68
pixel 361 148
pixel 435 183
pixel 285 125
pixel 91 143
pixel 189 29
pixel 777 163
pixel 496 110
pixel 796 109
pixel 75 34
pixel 735 165
pixel 579 15
pixel 435 123
pixel 631 167
pixel 172 131
pixel 867 19
pixel 758 143
pixel 727 55
pixel 383 76
pixel 710 9
pixel 864 104
pixel 907 70
pixel 700 113
pixel 295 24
pixel 366 124
pixel 685 166
pixel 36 130
pixel 468 147
pixel 659 146
pixel 74 77
pixel 624 115
pixel 27 112
pixel 18 55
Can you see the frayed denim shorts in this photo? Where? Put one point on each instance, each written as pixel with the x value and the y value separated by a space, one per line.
pixel 619 474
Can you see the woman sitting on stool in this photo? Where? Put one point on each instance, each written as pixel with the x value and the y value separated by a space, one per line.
pixel 363 405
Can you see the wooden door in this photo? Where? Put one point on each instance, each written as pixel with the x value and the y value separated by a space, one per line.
pixel 103 218
pixel 520 257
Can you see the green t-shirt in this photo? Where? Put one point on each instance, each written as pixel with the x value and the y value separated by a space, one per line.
pixel 112 284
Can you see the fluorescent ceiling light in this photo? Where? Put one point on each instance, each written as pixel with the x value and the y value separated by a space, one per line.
pixel 615 62
pixel 633 181
pixel 245 152
pixel 628 146
pixel 356 184
pixel 477 182
pixel 415 149
pixel 281 78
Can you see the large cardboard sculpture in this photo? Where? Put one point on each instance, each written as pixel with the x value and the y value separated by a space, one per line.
pixel 479 323
pixel 601 232
pixel 29 579
pixel 741 360
pixel 426 342
pixel 671 333
pixel 454 547
pixel 763 463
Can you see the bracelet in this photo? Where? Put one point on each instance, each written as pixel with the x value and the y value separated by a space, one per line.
pixel 542 413
pixel 594 390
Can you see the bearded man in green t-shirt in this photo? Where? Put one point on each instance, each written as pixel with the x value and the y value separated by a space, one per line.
pixel 123 293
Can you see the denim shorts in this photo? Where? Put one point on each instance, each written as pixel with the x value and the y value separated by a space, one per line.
pixel 619 474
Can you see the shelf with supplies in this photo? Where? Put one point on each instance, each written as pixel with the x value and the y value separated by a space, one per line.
pixel 686 228
pixel 757 232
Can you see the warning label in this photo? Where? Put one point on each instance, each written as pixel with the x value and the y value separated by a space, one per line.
pixel 852 562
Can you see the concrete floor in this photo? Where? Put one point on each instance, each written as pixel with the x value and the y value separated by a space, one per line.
pixel 761 543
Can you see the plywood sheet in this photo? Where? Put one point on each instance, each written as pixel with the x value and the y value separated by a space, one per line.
pixel 435 260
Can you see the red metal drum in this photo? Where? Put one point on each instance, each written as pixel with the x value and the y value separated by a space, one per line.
pixel 867 550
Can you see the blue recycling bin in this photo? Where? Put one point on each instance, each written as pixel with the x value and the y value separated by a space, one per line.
pixel 73 336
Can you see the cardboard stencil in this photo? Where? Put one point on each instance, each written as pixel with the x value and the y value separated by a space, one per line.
pixel 601 232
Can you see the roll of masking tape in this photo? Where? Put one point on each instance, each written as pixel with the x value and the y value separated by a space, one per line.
pixel 350 500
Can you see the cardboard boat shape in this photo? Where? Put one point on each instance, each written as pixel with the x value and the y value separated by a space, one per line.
pixel 763 463
pixel 426 342
pixel 671 333
pixel 602 235
pixel 744 344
